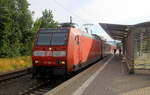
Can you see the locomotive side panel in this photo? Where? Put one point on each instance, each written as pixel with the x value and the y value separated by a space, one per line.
pixel 86 48
pixel 91 50
pixel 72 50
pixel 69 52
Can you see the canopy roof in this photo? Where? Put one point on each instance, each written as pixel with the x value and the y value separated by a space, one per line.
pixel 116 31
pixel 119 32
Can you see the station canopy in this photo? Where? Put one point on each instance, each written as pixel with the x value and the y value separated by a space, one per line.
pixel 118 31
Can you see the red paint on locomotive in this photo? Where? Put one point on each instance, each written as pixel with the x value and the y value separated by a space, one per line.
pixel 74 51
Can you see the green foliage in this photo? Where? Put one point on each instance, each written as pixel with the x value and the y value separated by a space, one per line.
pixel 37 25
pixel 46 21
pixel 15 28
pixel 5 28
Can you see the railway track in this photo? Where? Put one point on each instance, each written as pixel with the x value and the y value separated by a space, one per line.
pixel 30 86
pixel 13 75
pixel 32 89
pixel 43 86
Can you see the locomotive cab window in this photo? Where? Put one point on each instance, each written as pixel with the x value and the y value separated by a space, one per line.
pixel 44 39
pixel 59 38
pixel 52 37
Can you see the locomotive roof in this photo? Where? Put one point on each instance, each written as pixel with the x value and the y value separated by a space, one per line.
pixel 54 29
pixel 96 36
pixel 93 36
pixel 68 24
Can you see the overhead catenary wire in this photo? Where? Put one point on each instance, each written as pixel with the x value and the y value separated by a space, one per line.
pixel 73 14
pixel 69 11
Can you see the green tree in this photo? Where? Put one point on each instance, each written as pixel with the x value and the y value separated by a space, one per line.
pixel 24 21
pixel 5 28
pixel 15 28
pixel 16 31
pixel 46 21
pixel 36 25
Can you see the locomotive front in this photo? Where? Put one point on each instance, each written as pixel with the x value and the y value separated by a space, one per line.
pixel 50 52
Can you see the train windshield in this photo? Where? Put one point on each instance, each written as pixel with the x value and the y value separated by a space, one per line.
pixel 44 38
pixel 52 38
pixel 59 38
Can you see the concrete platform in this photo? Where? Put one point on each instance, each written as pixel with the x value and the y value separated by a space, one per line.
pixel 106 77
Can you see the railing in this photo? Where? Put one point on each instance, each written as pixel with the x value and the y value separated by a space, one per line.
pixel 130 64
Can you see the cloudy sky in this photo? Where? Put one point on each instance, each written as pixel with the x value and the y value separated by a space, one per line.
pixel 95 11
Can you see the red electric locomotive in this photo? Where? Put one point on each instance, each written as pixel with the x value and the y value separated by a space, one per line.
pixel 64 50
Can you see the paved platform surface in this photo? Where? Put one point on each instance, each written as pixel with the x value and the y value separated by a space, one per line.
pixel 107 77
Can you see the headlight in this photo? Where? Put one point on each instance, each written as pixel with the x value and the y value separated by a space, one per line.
pixel 59 53
pixel 39 53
